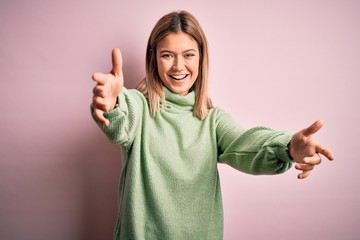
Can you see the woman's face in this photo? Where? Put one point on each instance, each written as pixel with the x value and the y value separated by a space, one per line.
pixel 178 62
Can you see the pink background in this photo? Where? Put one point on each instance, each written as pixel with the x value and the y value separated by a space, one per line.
pixel 277 63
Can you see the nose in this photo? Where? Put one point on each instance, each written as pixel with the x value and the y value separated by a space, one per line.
pixel 179 64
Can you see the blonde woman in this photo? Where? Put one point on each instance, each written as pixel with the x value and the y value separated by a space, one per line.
pixel 173 139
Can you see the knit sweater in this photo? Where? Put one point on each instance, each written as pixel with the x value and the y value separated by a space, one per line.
pixel 169 185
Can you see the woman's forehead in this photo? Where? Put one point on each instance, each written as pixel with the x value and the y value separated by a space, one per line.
pixel 179 41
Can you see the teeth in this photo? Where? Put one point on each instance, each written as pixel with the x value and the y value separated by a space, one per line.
pixel 178 76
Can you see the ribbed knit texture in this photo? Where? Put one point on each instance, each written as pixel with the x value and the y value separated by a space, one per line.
pixel 169 185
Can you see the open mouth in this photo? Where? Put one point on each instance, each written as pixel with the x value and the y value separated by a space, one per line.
pixel 179 77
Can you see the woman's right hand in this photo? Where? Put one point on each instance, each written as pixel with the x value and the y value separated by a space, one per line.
pixel 107 89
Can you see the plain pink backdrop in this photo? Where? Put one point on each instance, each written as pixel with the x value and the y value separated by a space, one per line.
pixel 278 63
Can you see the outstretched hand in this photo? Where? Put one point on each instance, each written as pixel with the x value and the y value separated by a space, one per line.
pixel 107 88
pixel 306 151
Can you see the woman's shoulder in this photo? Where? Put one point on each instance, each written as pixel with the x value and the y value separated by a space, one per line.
pixel 134 94
pixel 221 116
pixel 218 113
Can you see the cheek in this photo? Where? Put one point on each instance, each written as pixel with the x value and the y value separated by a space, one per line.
pixel 161 71
pixel 162 67
pixel 195 68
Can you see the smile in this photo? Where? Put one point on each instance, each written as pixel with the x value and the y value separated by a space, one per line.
pixel 179 77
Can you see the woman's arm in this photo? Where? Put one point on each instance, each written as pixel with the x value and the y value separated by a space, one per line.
pixel 115 109
pixel 258 150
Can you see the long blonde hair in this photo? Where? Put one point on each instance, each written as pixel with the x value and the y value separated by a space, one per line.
pixel 152 86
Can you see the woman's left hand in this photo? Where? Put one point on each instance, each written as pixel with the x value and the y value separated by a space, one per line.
pixel 306 151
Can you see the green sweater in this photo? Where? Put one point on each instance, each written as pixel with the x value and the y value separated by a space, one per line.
pixel 169 185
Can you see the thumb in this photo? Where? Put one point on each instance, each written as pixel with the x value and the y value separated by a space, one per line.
pixel 116 62
pixel 313 128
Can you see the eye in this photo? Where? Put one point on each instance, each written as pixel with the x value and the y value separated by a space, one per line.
pixel 166 55
pixel 189 55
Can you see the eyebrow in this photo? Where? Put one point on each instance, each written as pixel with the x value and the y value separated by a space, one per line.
pixel 188 50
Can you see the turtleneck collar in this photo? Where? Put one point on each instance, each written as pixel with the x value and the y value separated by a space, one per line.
pixel 186 102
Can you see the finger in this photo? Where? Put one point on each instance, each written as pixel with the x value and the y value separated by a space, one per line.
pixel 99 116
pixel 304 167
pixel 101 104
pixel 116 62
pixel 100 78
pixel 303 175
pixel 313 160
pixel 98 90
pixel 313 128
pixel 324 151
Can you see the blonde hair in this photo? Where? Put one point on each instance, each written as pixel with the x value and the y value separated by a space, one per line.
pixel 152 86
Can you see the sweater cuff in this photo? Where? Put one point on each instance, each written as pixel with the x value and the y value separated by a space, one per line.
pixel 114 112
pixel 282 152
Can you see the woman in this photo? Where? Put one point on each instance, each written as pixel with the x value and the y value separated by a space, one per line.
pixel 173 139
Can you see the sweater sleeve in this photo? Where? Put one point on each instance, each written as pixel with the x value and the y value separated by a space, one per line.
pixel 125 118
pixel 256 151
